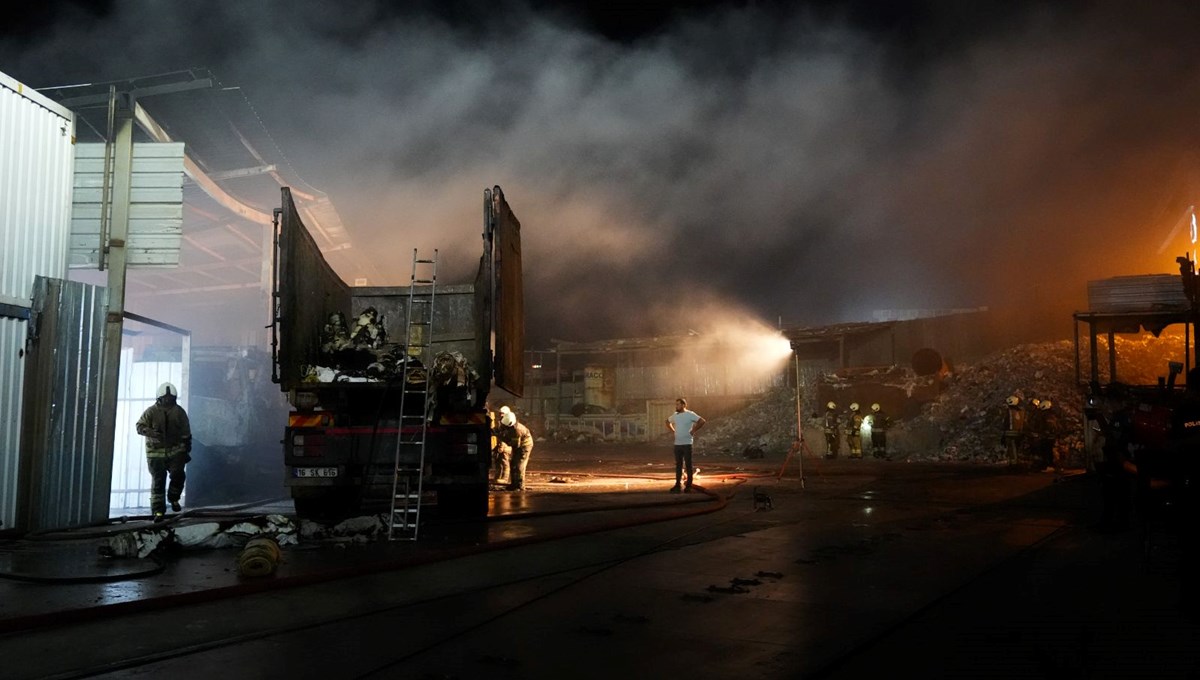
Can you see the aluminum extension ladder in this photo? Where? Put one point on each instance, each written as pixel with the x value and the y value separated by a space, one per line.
pixel 409 462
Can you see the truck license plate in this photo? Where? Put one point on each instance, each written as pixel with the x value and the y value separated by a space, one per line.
pixel 315 472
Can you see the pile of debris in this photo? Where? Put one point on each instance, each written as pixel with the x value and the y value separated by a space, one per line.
pixel 967 420
pixel 357 354
pixel 158 537
pixel 766 427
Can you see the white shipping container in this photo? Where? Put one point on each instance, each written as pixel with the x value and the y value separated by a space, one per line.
pixel 37 159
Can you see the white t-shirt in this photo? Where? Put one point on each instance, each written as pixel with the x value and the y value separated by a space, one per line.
pixel 683 421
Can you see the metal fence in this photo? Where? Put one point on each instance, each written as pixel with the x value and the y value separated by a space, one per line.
pixel 603 427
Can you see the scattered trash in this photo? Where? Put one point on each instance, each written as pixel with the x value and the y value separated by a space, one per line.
pixel 227 534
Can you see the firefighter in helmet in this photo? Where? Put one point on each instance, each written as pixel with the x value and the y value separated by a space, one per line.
pixel 1014 427
pixel 514 443
pixel 880 422
pixel 832 441
pixel 854 431
pixel 168 448
pixel 1045 440
pixel 500 456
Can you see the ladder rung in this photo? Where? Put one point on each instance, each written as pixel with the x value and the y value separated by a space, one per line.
pixel 423 280
pixel 425 261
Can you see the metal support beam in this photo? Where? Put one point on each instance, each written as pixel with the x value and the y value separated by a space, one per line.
pixel 97 99
pixel 118 232
pixel 241 172
pixel 192 170
pixel 13 311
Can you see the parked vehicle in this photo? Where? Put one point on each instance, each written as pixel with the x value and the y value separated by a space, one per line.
pixel 353 404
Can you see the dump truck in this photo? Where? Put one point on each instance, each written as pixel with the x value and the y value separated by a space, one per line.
pixel 348 425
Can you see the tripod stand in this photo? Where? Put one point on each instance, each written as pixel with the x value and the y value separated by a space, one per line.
pixel 799 446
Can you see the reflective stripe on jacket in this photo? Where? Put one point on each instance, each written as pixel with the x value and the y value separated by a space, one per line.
pixel 166 429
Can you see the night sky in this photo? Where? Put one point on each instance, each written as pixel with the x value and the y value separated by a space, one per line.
pixel 812 162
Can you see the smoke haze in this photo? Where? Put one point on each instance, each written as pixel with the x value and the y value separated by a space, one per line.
pixel 804 165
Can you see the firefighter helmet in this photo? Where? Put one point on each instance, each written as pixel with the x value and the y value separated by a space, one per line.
pixel 167 389
pixel 1013 400
pixel 505 409
pixel 854 406
pixel 508 419
pixel 831 406
pixel 1045 405
pixel 1035 402
pixel 874 408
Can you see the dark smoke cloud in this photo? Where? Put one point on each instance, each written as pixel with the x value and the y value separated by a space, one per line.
pixel 800 164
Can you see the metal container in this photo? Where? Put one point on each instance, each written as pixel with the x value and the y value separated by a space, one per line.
pixel 37 139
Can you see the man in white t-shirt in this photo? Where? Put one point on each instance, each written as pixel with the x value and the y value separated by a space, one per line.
pixel 684 424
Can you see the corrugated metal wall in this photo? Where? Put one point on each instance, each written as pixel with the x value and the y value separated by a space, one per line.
pixel 12 373
pixel 155 205
pixel 64 479
pixel 36 161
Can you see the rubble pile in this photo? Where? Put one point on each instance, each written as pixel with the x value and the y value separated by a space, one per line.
pixel 767 427
pixel 967 419
pixel 1141 359
pixel 969 416
pixel 358 354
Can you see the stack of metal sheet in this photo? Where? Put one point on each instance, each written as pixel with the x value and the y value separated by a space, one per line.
pixel 1146 293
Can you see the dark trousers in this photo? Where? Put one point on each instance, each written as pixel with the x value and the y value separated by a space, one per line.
pixel 879 443
pixel 832 444
pixel 160 467
pixel 500 463
pixel 683 455
pixel 520 460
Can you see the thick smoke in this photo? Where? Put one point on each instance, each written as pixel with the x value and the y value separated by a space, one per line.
pixel 795 167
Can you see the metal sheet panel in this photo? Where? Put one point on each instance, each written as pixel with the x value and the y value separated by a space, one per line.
pixel 307 290
pixel 155 211
pixel 64 480
pixel 510 298
pixel 12 373
pixel 36 156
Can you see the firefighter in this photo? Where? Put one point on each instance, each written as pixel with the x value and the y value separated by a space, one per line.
pixel 500 458
pixel 880 422
pixel 832 442
pixel 854 431
pixel 1014 426
pixel 1046 440
pixel 515 444
pixel 168 448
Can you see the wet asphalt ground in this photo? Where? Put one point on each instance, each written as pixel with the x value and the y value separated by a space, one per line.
pixel 862 568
